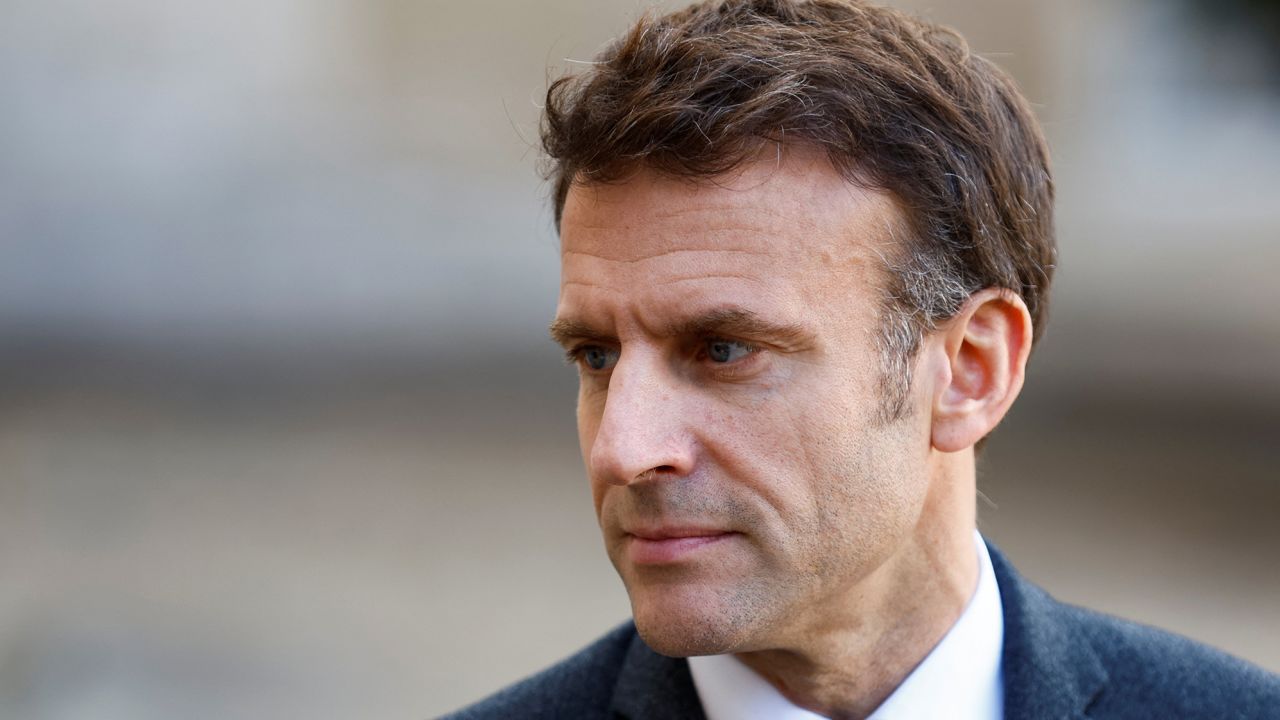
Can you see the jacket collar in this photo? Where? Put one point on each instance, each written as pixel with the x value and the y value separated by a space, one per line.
pixel 654 686
pixel 1049 669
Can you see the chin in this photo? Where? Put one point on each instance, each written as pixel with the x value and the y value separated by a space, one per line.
pixel 690 627
pixel 681 640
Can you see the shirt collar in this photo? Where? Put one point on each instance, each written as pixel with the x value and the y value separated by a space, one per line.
pixel 959 678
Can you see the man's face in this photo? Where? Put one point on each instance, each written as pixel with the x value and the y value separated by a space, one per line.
pixel 730 387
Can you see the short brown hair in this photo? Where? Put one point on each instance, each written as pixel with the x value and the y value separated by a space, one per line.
pixel 898 104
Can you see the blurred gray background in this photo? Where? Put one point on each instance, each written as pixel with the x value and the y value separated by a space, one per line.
pixel 280 432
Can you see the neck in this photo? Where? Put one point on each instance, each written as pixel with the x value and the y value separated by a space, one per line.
pixel 847 665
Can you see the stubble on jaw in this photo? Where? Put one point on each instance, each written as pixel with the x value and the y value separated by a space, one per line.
pixel 725 627
pixel 722 609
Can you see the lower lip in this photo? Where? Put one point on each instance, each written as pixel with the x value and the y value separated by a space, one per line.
pixel 670 550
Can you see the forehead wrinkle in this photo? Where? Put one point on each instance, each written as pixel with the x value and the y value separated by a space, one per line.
pixel 584 283
pixel 664 252
pixel 615 239
pixel 720 208
pixel 614 220
pixel 716 276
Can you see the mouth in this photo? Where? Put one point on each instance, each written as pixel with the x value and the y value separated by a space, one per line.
pixel 666 546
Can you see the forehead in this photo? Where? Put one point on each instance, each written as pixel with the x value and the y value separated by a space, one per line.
pixel 785 230
pixel 784 194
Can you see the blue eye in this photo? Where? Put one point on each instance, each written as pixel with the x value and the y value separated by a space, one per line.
pixel 727 351
pixel 597 358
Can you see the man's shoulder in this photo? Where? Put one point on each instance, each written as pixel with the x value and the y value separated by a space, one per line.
pixel 1062 659
pixel 581 685
pixel 1171 675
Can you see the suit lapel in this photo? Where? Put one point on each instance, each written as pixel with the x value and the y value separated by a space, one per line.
pixel 654 686
pixel 1050 670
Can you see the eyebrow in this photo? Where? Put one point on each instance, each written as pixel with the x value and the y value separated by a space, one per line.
pixel 565 332
pixel 730 321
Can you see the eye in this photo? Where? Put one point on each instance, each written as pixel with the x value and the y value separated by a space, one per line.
pixel 727 351
pixel 596 357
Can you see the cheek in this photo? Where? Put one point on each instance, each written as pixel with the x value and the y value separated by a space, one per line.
pixel 873 496
pixel 848 480
pixel 588 413
pixel 760 453
pixel 588 425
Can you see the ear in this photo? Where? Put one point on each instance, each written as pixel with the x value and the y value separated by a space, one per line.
pixel 984 351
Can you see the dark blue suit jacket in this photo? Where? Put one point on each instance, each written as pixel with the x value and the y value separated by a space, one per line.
pixel 1059 661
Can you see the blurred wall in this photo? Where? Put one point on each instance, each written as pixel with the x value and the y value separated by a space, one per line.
pixel 280 433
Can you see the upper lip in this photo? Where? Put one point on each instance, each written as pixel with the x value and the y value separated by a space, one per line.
pixel 672 532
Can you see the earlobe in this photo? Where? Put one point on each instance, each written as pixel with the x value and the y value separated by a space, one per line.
pixel 985 348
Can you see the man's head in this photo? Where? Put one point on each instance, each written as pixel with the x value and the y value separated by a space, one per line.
pixel 895 103
pixel 804 248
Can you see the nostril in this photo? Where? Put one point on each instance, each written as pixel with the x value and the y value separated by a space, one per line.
pixel 654 473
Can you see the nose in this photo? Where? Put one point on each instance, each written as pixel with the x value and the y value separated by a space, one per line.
pixel 643 431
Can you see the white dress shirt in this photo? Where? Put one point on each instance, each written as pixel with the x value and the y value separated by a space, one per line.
pixel 959 678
